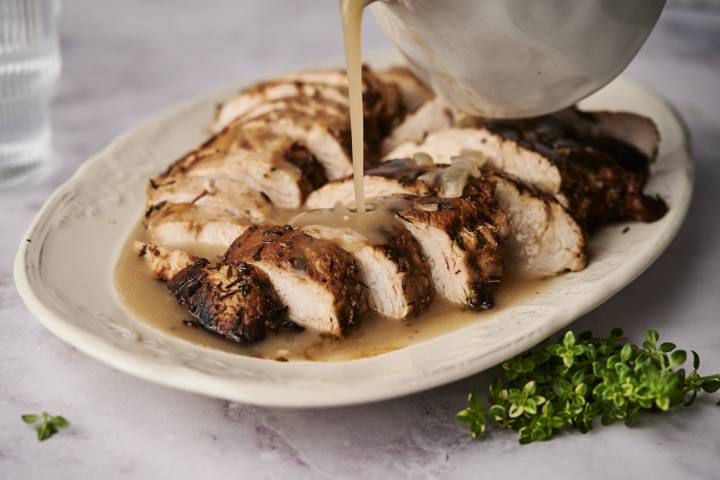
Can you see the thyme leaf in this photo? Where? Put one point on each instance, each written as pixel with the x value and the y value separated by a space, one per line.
pixel 46 425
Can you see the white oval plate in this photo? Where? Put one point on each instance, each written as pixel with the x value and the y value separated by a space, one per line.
pixel 64 275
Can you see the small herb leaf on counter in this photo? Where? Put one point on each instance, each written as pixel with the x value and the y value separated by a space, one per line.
pixel 45 424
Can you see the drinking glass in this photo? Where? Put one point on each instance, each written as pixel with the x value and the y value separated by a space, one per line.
pixel 29 68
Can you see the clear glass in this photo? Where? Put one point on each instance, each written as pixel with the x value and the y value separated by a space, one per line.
pixel 29 68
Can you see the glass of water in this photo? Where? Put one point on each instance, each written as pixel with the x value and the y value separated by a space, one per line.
pixel 29 68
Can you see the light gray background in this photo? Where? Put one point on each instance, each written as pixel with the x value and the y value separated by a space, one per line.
pixel 124 61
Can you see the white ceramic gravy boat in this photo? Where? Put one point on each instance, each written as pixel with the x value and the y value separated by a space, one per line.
pixel 516 58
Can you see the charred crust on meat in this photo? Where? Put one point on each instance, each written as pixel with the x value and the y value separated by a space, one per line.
pixel 258 253
pixel 322 261
pixel 402 248
pixel 602 178
pixel 482 298
pixel 200 195
pixel 312 170
pixel 404 170
pixel 154 208
pixel 477 226
pixel 243 309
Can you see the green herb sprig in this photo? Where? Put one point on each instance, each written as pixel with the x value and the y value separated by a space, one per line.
pixel 571 383
pixel 45 424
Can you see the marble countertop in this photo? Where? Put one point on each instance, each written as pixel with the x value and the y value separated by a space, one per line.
pixel 124 61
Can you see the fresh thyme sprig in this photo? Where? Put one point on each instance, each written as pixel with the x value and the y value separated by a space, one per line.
pixel 571 383
pixel 45 424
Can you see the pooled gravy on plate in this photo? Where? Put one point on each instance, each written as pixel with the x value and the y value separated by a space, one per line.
pixel 149 301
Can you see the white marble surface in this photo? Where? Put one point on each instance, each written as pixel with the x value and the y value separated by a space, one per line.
pixel 127 60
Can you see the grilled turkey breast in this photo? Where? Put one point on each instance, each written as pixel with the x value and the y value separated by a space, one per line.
pixel 596 185
pixel 233 197
pixel 394 271
pixel 272 90
pixel 402 176
pixel 598 182
pixel 307 105
pixel 605 128
pixel 284 171
pixel 180 224
pixel 461 239
pixel 525 189
pixel 413 92
pixel 326 136
pixel 398 177
pixel 318 281
pixel 383 101
pixel 432 116
pixel 544 238
pixel 235 301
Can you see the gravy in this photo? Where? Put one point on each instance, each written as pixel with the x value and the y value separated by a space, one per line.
pixel 372 224
pixel 149 301
pixel 351 12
